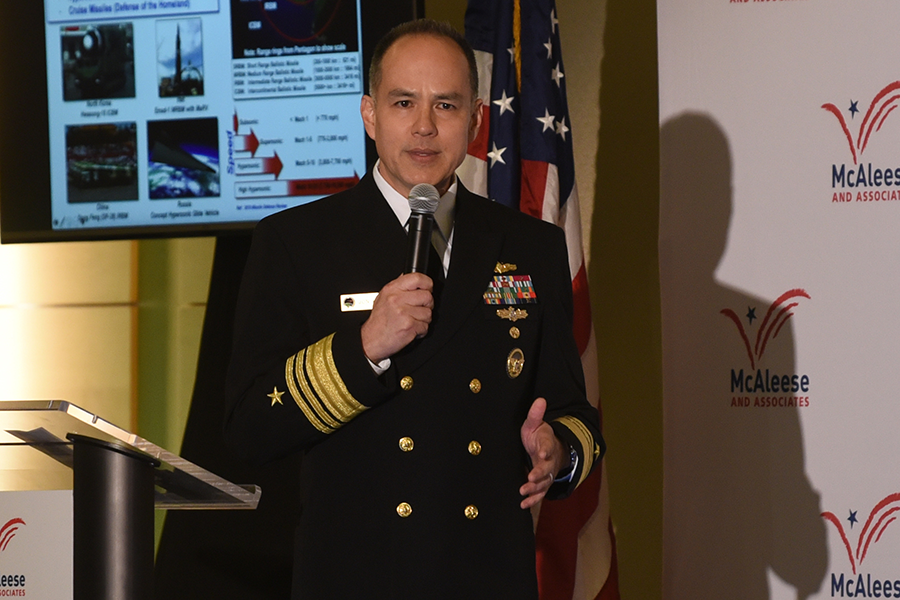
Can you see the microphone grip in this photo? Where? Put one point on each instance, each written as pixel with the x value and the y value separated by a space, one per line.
pixel 420 226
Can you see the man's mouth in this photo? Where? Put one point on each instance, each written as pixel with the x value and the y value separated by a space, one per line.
pixel 422 152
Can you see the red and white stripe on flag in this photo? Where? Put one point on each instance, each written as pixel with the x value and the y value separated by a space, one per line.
pixel 523 157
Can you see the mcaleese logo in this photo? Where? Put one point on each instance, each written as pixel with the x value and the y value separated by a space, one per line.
pixel 769 388
pixel 865 181
pixel 865 585
pixel 11 585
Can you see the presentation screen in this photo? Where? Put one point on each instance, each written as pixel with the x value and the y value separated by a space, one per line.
pixel 178 117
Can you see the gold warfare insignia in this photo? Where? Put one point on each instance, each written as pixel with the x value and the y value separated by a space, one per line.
pixel 513 314
pixel 276 396
pixel 502 268
pixel 514 363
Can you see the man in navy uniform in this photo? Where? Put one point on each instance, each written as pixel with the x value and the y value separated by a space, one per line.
pixel 435 416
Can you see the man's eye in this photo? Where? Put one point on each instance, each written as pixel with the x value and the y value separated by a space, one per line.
pixel 403 103
pixel 446 106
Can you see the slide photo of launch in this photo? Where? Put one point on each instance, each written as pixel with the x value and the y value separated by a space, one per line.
pixel 184 158
pixel 287 23
pixel 179 57
pixel 98 61
pixel 101 162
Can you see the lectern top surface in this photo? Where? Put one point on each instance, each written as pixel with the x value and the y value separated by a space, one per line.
pixel 35 455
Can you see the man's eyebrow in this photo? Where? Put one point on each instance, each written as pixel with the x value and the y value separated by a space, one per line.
pixel 456 96
pixel 404 93
pixel 400 92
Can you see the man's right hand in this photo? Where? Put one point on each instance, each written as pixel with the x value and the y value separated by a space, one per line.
pixel 400 314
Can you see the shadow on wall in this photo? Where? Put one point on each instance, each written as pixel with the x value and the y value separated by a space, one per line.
pixel 738 505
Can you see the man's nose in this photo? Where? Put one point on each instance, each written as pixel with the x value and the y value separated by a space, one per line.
pixel 425 123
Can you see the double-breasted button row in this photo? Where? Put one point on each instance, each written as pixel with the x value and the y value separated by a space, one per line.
pixel 407 444
pixel 405 510
pixel 406 384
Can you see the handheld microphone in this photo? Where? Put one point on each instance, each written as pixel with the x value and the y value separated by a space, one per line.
pixel 423 201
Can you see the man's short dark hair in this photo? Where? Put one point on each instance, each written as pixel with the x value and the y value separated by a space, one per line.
pixel 422 27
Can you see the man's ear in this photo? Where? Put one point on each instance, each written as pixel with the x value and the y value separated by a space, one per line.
pixel 475 124
pixel 367 110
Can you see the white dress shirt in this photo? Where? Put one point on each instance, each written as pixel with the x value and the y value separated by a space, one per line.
pixel 442 236
pixel 443 223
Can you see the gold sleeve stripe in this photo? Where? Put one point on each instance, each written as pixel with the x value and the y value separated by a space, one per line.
pixel 304 378
pixel 585 439
pixel 329 385
pixel 317 388
pixel 298 398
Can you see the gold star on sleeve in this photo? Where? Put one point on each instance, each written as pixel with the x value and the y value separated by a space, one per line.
pixel 276 396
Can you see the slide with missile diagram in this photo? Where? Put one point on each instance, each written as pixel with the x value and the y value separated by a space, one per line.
pixel 294 50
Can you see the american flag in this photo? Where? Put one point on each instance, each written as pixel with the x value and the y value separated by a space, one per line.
pixel 523 158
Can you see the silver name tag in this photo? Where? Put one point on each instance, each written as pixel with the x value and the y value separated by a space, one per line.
pixel 352 302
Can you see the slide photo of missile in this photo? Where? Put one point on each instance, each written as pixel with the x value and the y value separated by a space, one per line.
pixel 101 162
pixel 179 57
pixel 184 158
pixel 98 61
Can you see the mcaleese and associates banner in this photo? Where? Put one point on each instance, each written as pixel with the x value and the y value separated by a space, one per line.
pixel 780 281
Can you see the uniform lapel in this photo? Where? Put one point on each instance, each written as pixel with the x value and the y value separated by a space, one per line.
pixel 384 239
pixel 477 241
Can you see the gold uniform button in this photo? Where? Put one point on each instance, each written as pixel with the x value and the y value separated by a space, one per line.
pixel 404 509
pixel 514 333
pixel 406 383
pixel 407 444
pixel 474 448
pixel 471 511
pixel 475 386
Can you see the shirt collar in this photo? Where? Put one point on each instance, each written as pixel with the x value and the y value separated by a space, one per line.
pixel 443 216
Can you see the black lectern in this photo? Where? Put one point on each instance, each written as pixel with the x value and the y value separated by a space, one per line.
pixel 117 478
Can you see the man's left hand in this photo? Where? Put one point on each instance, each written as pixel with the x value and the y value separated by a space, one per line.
pixel 548 456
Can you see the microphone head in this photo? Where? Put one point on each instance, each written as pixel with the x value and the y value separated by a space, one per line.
pixel 423 199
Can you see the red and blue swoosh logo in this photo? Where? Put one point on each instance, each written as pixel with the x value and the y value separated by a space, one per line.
pixel 881 107
pixel 881 516
pixel 779 312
